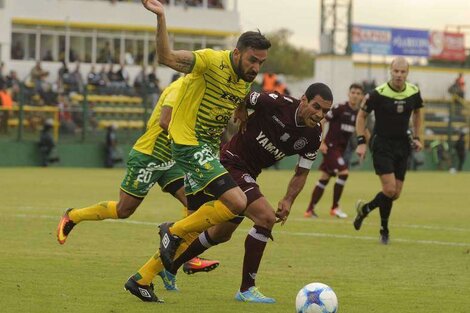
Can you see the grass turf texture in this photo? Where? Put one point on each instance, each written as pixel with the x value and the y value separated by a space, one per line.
pixel 426 268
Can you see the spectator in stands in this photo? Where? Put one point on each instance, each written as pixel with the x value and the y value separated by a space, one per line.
pixel 103 76
pixel 38 78
pixel 67 124
pixel 457 89
pixel 141 80
pixel 47 144
pixel 77 79
pixel 112 75
pixel 122 75
pixel 92 78
pixel 154 85
pixel 13 84
pixel 151 56
pixel 6 104
pixel 460 83
pixel 111 150
pixel 63 77
pixel 460 150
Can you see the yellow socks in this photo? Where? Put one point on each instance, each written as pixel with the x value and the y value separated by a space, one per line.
pixel 99 211
pixel 149 270
pixel 209 214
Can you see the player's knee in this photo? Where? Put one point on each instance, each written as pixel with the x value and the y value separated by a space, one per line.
pixel 266 220
pixel 217 235
pixel 236 202
pixel 390 191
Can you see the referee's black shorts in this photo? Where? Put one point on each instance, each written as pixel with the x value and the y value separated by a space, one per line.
pixel 390 155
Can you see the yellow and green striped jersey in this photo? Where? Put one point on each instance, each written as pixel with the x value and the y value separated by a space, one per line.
pixel 207 99
pixel 155 141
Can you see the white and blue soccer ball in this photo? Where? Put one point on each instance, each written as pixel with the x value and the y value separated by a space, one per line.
pixel 316 298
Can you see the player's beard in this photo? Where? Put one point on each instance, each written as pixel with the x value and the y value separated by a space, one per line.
pixel 242 74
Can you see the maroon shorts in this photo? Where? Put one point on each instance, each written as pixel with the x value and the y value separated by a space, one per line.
pixel 245 182
pixel 235 166
pixel 333 162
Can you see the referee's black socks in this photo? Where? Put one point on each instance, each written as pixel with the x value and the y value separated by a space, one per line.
pixel 380 200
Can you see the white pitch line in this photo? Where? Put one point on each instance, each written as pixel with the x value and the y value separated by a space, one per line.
pixel 328 221
pixel 349 221
pixel 301 234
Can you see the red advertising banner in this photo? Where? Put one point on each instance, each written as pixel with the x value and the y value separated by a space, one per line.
pixel 446 46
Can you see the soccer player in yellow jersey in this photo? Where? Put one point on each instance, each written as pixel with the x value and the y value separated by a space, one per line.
pixel 214 87
pixel 150 162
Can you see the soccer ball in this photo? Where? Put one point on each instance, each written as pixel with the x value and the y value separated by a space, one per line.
pixel 316 298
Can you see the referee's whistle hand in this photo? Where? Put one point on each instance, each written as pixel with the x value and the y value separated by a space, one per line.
pixel 361 151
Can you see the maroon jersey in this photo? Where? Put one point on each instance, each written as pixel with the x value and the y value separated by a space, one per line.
pixel 342 123
pixel 272 133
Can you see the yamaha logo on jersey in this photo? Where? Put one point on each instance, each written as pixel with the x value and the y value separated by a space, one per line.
pixel 300 143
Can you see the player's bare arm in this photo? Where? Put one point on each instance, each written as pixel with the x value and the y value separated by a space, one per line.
pixel 295 186
pixel 240 116
pixel 323 147
pixel 416 127
pixel 181 60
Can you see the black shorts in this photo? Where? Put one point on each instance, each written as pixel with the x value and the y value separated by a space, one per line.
pixel 211 192
pixel 390 156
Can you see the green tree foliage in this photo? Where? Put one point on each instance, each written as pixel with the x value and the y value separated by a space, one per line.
pixel 287 59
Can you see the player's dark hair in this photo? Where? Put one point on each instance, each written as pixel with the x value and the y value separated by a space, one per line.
pixel 357 86
pixel 253 39
pixel 319 89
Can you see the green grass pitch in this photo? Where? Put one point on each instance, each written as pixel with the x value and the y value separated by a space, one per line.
pixel 425 269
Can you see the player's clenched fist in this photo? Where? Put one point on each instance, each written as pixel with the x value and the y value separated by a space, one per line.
pixel 153 6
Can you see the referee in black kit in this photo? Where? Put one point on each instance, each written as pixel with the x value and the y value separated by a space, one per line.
pixel 393 104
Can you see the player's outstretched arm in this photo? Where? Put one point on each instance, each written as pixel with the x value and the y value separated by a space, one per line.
pixel 181 60
pixel 295 186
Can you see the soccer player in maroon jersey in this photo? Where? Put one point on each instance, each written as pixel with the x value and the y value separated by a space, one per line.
pixel 280 126
pixel 340 125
